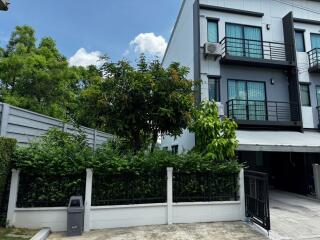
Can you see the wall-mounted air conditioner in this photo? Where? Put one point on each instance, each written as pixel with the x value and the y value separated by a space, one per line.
pixel 220 109
pixel 212 49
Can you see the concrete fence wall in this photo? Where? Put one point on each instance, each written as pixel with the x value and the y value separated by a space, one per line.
pixel 26 126
pixel 125 215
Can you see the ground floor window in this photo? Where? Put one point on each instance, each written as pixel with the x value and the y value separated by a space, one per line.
pixel 175 149
pixel 305 94
pixel 214 89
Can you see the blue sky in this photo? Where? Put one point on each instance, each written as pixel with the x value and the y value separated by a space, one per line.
pixel 96 26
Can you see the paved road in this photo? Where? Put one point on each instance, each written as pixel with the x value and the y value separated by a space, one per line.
pixel 294 217
pixel 210 231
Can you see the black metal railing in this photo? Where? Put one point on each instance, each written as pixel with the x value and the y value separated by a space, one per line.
pixel 129 188
pixel 262 110
pixel 43 190
pixel 204 187
pixel 314 58
pixel 255 49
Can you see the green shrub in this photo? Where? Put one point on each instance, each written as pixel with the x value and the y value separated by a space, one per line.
pixel 7 147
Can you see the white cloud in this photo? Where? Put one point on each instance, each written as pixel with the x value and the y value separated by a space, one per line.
pixel 84 58
pixel 150 44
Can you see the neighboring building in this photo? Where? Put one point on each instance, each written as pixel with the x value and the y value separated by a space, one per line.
pixel 260 60
pixel 4 5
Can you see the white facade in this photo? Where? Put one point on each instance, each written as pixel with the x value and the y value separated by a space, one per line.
pixel 266 14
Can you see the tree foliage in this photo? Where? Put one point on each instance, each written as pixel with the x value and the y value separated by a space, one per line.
pixel 141 103
pixel 216 138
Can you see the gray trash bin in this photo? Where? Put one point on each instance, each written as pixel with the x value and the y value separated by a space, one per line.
pixel 75 219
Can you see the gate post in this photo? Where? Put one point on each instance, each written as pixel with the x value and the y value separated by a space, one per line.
pixel 87 206
pixel 242 196
pixel 316 177
pixel 13 195
pixel 169 195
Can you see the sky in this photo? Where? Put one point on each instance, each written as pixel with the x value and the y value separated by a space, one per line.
pixel 86 29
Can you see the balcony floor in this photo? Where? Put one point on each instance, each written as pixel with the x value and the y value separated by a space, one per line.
pixel 258 62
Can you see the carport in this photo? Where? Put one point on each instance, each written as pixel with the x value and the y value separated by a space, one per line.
pixel 286 156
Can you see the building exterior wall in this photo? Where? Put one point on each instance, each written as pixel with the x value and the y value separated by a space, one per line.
pixel 269 16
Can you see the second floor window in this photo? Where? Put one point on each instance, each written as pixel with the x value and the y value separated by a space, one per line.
pixel 305 94
pixel 300 46
pixel 315 40
pixel 213 31
pixel 214 90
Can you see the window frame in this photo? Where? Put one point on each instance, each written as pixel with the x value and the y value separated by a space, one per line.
pixel 175 149
pixel 218 91
pixel 318 100
pixel 303 39
pixel 216 21
pixel 309 97
pixel 246 85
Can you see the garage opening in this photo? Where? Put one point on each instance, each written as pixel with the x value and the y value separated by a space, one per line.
pixel 288 171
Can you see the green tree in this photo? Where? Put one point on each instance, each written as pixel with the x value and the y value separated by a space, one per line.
pixel 142 103
pixel 216 138
pixel 37 78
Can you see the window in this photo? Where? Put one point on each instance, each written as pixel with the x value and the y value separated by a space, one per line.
pixel 318 95
pixel 244 40
pixel 165 148
pixel 305 94
pixel 315 40
pixel 213 31
pixel 175 149
pixel 300 46
pixel 214 89
pixel 247 99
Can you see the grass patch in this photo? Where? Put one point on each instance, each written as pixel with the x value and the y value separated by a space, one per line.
pixel 16 234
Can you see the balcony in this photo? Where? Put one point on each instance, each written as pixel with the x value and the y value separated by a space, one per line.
pixel 254 53
pixel 263 113
pixel 314 60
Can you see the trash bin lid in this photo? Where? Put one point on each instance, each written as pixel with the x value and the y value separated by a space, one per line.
pixel 76 202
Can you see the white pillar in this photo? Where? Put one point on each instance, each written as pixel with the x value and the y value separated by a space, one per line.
pixel 13 195
pixel 242 196
pixel 316 177
pixel 169 195
pixel 94 140
pixel 87 202
pixel 4 119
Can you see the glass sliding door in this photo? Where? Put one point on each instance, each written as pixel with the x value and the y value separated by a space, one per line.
pixel 248 100
pixel 315 44
pixel 244 41
pixel 238 94
pixel 235 42
pixel 318 95
pixel 253 42
pixel 256 101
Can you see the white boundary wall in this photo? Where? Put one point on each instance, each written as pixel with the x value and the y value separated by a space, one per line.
pixel 26 126
pixel 126 215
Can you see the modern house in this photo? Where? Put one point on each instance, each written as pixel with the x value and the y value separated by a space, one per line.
pixel 260 59
pixel 4 5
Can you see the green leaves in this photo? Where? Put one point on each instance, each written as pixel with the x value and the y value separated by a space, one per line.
pixel 216 138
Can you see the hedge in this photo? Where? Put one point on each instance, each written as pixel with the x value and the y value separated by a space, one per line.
pixel 7 147
pixel 47 166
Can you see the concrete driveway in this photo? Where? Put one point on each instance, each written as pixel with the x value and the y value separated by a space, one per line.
pixel 294 217
pixel 210 231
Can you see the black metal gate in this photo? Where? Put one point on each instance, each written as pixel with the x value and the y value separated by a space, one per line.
pixel 257 198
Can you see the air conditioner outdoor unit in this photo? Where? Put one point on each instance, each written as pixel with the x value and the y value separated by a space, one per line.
pixel 4 5
pixel 220 109
pixel 212 49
